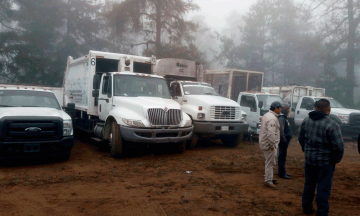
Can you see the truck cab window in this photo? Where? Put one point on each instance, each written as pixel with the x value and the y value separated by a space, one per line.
pixel 105 86
pixel 248 101
pixel 305 102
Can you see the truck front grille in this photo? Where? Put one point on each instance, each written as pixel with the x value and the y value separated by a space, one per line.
pixel 224 112
pixel 354 119
pixel 32 129
pixel 159 116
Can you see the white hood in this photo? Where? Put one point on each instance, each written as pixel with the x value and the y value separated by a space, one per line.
pixel 33 111
pixel 211 100
pixel 344 111
pixel 139 103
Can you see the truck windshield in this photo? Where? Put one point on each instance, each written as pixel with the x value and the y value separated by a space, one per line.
pixel 198 89
pixel 333 103
pixel 24 98
pixel 140 86
pixel 267 100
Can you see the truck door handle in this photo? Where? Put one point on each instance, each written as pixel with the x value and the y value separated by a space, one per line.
pixel 298 112
pixel 107 100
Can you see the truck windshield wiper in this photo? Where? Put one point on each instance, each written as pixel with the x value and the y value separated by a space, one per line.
pixel 6 106
pixel 209 93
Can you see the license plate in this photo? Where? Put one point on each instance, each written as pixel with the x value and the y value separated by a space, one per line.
pixel 31 147
pixel 224 128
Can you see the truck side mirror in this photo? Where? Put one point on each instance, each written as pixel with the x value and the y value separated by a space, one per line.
pixel 70 109
pixel 261 104
pixel 309 106
pixel 96 81
pixel 95 93
pixel 173 90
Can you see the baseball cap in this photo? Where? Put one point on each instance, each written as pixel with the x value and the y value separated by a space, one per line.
pixel 275 104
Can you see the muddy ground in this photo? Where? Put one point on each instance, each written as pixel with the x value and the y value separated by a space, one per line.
pixel 223 181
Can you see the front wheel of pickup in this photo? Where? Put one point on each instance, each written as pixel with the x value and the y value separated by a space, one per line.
pixel 231 140
pixel 191 143
pixel 116 141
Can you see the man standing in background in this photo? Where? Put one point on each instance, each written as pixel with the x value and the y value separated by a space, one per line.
pixel 285 138
pixel 321 140
pixel 269 138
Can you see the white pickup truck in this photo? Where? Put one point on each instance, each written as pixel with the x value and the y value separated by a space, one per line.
pixel 131 105
pixel 213 116
pixel 256 104
pixel 349 119
pixel 33 123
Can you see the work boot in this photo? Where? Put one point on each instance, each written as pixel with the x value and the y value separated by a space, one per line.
pixel 275 181
pixel 270 185
pixel 286 176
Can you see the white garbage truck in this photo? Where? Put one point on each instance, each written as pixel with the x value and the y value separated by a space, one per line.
pixel 214 116
pixel 118 98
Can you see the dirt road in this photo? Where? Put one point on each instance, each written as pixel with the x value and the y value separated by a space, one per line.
pixel 223 181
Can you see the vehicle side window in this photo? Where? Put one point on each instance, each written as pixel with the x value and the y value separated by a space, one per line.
pixel 305 102
pixel 105 86
pixel 248 101
pixel 178 90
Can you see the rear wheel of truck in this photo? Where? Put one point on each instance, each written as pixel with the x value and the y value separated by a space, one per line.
pixel 231 140
pixel 191 143
pixel 179 148
pixel 116 141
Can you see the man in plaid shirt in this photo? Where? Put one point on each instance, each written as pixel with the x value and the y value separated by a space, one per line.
pixel 321 140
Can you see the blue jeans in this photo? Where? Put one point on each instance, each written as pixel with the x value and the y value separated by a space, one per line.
pixel 320 177
pixel 283 146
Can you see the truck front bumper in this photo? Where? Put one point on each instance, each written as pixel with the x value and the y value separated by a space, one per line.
pixel 16 149
pixel 217 128
pixel 156 135
pixel 351 131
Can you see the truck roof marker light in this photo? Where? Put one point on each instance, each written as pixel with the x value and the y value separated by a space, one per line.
pixel 33 88
pixel 100 57
pixel 200 108
pixel 18 87
pixel 85 109
pixel 86 56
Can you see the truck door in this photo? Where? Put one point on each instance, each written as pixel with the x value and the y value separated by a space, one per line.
pixel 301 110
pixel 177 95
pixel 250 102
pixel 105 97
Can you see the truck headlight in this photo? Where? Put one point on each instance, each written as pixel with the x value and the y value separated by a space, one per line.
pixel 243 117
pixel 188 123
pixel 258 125
pixel 68 128
pixel 133 123
pixel 344 118
pixel 201 116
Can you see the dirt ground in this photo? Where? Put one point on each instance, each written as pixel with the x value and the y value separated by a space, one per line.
pixel 223 181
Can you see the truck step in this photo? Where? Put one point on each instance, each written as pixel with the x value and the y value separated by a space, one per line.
pixel 97 139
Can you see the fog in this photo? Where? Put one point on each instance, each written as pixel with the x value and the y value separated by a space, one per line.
pixel 291 41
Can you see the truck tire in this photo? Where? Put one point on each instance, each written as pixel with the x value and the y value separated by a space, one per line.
pixel 231 140
pixel 359 144
pixel 191 143
pixel 116 141
pixel 179 148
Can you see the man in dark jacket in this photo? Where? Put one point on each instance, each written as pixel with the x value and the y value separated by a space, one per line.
pixel 285 138
pixel 321 140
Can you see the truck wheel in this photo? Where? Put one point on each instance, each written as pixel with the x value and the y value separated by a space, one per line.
pixel 116 141
pixel 231 140
pixel 179 148
pixel 191 143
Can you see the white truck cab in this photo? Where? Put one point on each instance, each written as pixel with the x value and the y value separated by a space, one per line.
pixel 349 119
pixel 212 115
pixel 33 123
pixel 256 104
pixel 131 105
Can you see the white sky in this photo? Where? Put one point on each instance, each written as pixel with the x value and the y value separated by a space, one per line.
pixel 215 12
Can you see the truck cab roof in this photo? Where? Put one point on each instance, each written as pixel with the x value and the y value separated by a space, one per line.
pixel 257 93
pixel 24 88
pixel 138 74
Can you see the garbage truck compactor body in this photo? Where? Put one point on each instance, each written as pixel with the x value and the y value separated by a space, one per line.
pixel 132 105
